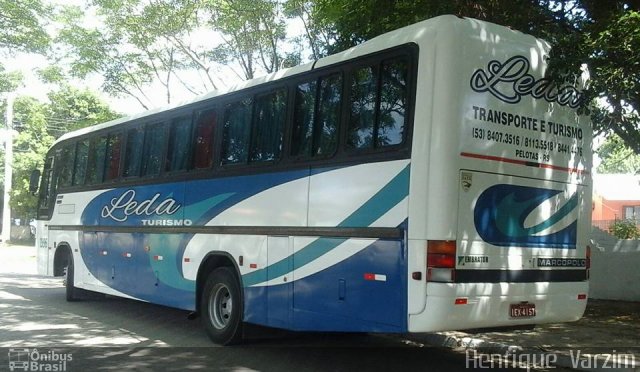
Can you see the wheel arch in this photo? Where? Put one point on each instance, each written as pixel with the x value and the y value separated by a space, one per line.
pixel 61 258
pixel 210 262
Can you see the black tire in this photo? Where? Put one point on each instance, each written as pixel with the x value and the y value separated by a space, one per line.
pixel 72 293
pixel 221 307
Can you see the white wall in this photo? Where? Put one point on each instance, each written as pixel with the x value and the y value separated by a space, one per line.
pixel 615 268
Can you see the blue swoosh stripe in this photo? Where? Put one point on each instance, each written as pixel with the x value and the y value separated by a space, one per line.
pixel 379 204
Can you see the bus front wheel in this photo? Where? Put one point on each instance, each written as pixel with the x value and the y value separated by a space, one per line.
pixel 72 293
pixel 221 307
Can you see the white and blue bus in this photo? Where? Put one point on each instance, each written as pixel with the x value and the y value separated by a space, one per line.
pixel 429 179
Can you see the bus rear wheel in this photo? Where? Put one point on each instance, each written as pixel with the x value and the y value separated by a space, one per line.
pixel 221 307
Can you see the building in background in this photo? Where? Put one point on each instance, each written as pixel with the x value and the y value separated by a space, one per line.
pixel 615 197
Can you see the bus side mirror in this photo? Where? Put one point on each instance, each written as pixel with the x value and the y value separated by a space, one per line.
pixel 34 180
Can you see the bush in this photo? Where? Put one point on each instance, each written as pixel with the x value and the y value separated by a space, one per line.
pixel 624 229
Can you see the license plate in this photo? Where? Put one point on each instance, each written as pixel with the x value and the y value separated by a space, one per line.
pixel 522 310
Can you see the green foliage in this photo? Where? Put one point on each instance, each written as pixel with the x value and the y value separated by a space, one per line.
pixel 355 21
pixel 141 41
pixel 51 75
pixel 617 157
pixel 39 124
pixel 78 108
pixel 21 26
pixel 30 148
pixel 9 81
pixel 624 229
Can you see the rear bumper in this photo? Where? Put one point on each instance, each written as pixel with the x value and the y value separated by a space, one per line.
pixel 488 305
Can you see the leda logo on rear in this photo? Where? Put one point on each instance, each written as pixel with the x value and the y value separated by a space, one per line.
pixel 509 81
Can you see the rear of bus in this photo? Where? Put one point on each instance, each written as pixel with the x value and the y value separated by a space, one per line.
pixel 500 195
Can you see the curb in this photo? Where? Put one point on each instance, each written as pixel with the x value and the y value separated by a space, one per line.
pixel 514 354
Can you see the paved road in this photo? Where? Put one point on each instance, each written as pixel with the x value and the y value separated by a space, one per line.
pixel 113 333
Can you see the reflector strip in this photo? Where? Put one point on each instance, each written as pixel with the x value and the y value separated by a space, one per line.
pixel 582 296
pixel 253 266
pixel 376 277
pixel 461 301
pixel 522 162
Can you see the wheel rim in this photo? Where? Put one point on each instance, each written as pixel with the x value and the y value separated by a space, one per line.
pixel 220 306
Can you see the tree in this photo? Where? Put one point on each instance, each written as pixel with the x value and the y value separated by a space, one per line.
pixel 137 42
pixel 21 26
pixel 617 158
pixel 21 29
pixel 38 125
pixel 30 148
pixel 606 36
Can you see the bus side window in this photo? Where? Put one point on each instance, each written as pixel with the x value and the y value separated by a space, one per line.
pixel 47 189
pixel 317 117
pixel 393 103
pixel 133 155
pixel 96 160
pixel 153 150
pixel 303 119
pixel 82 154
pixel 114 150
pixel 179 141
pixel 236 132
pixel 203 139
pixel 66 157
pixel 378 105
pixel 363 108
pixel 326 131
pixel 270 115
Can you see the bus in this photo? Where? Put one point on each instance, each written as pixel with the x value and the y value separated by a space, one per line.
pixel 432 178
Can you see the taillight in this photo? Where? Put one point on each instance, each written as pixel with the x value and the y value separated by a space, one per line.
pixel 441 260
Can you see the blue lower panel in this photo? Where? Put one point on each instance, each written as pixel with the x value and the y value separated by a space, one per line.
pixel 142 266
pixel 340 298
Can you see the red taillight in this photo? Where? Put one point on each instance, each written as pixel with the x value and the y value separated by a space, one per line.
pixel 582 296
pixel 441 260
pixel 441 253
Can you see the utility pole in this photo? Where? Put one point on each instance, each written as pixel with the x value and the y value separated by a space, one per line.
pixel 8 168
